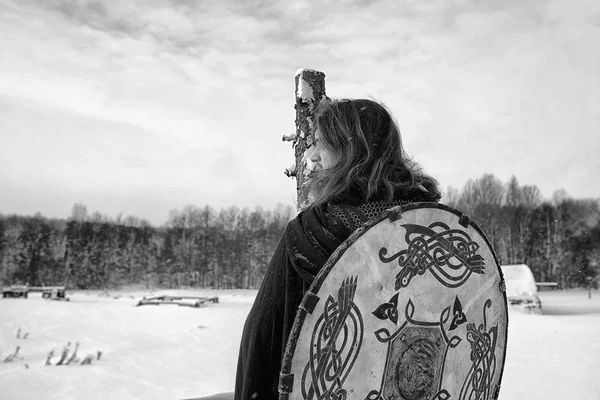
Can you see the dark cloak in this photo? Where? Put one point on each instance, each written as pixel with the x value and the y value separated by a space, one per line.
pixel 309 240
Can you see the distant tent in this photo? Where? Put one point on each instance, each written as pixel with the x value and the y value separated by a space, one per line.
pixel 520 287
pixel 519 280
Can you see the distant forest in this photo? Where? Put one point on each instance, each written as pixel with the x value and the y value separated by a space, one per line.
pixel 231 248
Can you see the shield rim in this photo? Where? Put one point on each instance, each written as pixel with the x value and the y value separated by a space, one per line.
pixel 393 214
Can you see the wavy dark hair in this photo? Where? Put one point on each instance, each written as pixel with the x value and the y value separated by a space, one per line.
pixel 372 164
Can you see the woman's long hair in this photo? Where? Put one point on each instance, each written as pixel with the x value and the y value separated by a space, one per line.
pixel 372 164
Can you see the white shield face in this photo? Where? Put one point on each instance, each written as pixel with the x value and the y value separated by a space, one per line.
pixel 412 306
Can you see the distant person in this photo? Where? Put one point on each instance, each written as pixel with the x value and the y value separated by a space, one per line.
pixel 360 170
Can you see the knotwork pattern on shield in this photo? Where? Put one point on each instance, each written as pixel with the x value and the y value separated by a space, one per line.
pixel 450 254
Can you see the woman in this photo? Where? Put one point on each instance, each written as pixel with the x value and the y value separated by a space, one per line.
pixel 360 170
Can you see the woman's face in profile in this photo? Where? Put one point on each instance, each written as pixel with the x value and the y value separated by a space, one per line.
pixel 321 157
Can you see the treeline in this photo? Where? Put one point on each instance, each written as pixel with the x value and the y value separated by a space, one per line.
pixel 200 247
pixel 230 248
pixel 558 238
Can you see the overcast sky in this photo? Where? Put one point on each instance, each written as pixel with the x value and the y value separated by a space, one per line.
pixel 143 106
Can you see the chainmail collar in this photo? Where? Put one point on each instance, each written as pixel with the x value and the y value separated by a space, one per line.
pixel 354 216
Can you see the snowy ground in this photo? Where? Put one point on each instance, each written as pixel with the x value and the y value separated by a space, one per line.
pixel 171 352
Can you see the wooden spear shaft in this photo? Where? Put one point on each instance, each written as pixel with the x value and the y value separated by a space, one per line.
pixel 310 90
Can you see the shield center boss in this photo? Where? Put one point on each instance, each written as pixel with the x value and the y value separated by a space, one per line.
pixel 410 307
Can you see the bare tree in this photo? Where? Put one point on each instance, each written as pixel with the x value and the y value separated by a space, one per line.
pixel 482 200
pixel 79 212
pixel 451 197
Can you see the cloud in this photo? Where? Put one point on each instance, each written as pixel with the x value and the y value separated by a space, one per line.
pixel 476 86
pixel 97 15
pixel 47 153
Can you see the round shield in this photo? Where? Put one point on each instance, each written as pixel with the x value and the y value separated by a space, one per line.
pixel 412 306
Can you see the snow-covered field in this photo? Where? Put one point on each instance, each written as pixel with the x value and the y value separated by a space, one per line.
pixel 170 352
